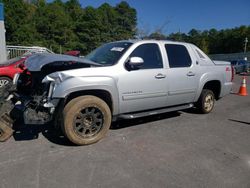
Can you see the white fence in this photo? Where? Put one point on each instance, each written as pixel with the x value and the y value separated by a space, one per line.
pixel 15 51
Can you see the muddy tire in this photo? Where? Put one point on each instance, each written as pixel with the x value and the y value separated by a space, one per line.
pixel 6 130
pixel 5 133
pixel 86 120
pixel 206 101
pixel 5 82
pixel 4 136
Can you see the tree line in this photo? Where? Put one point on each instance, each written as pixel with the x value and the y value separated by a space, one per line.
pixel 212 41
pixel 67 25
pixel 62 26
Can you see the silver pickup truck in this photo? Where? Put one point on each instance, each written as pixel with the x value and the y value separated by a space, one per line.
pixel 124 79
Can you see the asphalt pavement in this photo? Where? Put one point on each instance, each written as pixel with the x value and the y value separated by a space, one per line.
pixel 180 149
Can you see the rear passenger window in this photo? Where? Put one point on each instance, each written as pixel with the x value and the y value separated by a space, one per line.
pixel 178 56
pixel 151 55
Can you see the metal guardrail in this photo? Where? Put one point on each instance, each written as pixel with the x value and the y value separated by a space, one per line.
pixel 230 57
pixel 15 51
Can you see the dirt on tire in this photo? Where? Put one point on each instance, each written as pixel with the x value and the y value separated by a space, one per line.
pixel 201 102
pixel 4 93
pixel 74 107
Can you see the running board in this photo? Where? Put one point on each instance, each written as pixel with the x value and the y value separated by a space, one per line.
pixel 154 112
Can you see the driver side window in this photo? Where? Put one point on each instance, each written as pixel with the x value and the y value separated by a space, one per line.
pixel 151 55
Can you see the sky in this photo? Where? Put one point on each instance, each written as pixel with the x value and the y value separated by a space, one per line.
pixel 184 15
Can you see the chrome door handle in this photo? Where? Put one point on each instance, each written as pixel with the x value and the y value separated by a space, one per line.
pixel 190 74
pixel 160 76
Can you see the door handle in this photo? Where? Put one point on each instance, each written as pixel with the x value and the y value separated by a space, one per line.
pixel 160 76
pixel 190 73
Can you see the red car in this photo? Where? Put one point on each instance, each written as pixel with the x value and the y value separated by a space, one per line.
pixel 73 53
pixel 9 68
pixel 12 66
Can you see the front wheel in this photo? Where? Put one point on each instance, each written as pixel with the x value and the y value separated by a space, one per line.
pixel 87 119
pixel 206 101
pixel 5 82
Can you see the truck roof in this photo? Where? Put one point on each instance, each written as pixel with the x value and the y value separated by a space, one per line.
pixel 152 40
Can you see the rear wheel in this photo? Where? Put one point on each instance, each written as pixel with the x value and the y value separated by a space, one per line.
pixel 87 119
pixel 206 101
pixel 4 82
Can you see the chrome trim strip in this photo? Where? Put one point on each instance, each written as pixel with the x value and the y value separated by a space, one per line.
pixel 179 92
pixel 143 96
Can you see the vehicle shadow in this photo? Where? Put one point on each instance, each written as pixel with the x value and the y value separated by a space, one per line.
pixel 238 121
pixel 192 111
pixel 121 124
pixel 23 132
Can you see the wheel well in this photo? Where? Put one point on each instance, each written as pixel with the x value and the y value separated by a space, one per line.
pixel 2 76
pixel 215 87
pixel 102 94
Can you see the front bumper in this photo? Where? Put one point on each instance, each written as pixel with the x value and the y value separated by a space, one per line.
pixel 25 108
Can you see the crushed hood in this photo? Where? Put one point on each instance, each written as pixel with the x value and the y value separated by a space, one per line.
pixel 37 61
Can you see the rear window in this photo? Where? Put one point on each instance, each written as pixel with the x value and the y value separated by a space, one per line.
pixel 178 56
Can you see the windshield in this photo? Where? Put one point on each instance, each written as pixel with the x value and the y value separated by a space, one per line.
pixel 109 54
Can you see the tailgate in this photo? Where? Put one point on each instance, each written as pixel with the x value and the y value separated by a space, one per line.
pixel 222 63
pixel 227 69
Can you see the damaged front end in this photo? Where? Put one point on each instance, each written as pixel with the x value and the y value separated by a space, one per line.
pixel 30 97
pixel 25 102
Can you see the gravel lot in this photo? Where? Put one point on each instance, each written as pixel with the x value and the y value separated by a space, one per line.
pixel 181 149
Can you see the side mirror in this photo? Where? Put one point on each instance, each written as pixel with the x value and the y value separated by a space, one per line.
pixel 135 62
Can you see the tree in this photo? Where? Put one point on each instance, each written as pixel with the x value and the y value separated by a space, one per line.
pixel 16 12
pixel 108 21
pixel 67 25
pixel 178 36
pixel 126 20
pixel 73 8
pixel 54 27
pixel 157 36
pixel 88 29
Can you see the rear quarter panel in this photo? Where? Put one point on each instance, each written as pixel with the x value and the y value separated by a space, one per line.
pixel 221 73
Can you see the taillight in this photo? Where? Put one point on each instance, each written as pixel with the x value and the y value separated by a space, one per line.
pixel 232 70
pixel 228 69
